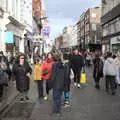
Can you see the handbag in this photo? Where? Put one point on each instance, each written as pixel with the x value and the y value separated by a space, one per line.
pixel 45 71
pixel 3 65
pixel 83 78
pixel 71 74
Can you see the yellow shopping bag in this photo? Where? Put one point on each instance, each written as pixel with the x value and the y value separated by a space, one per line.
pixel 83 78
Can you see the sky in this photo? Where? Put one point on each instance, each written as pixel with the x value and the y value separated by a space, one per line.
pixel 66 12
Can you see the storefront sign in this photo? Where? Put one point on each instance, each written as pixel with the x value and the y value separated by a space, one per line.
pixel 46 31
pixel 9 37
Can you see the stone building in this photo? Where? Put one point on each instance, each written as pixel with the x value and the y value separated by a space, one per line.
pixel 89 29
pixel 15 23
pixel 67 36
pixel 110 25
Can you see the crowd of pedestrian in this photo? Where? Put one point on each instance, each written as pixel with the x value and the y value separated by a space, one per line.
pixel 56 71
pixel 6 64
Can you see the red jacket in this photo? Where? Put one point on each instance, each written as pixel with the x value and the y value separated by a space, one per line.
pixel 47 64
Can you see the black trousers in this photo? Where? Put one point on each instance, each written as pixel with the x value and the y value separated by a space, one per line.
pixel 48 86
pixel 40 88
pixel 77 73
pixel 111 83
pixel 97 80
pixel 1 90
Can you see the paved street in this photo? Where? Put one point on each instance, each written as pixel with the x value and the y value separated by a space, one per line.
pixel 87 103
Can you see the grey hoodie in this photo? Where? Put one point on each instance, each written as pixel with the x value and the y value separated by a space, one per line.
pixel 110 67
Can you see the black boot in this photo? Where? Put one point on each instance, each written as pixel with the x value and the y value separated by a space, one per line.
pixel 97 86
pixel 1 90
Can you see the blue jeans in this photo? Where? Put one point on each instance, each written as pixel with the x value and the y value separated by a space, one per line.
pixel 66 96
pixel 57 96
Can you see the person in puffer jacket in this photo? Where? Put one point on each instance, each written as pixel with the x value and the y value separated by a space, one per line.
pixel 110 72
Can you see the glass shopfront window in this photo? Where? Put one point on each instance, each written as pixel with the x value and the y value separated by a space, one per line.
pixel 117 25
pixel 115 48
pixel 112 27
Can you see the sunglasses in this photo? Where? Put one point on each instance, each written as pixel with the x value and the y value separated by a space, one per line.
pixel 22 58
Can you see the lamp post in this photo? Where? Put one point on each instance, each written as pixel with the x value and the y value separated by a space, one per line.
pixel 39 36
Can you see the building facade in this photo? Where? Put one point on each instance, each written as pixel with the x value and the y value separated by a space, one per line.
pixel 73 41
pixel 80 32
pixel 110 25
pixel 68 39
pixel 37 26
pixel 59 41
pixel 41 28
pixel 26 9
pixel 89 29
pixel 67 36
pixel 15 21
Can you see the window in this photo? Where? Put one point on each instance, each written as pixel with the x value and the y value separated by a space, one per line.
pixel 105 30
pixel 94 27
pixel 93 15
pixel 117 25
pixel 112 28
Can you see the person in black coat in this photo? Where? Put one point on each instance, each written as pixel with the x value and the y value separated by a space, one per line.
pixel 22 71
pixel 3 72
pixel 58 79
pixel 98 70
pixel 77 63
pixel 11 61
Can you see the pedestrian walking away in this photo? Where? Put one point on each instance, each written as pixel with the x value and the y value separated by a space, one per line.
pixel 3 73
pixel 76 65
pixel 117 62
pixel 98 70
pixel 11 61
pixel 110 73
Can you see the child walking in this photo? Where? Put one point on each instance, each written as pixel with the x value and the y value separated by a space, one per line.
pixel 67 82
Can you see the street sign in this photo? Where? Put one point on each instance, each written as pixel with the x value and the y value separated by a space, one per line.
pixel 46 31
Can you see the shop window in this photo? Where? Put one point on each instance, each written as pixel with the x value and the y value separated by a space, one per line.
pixel 94 27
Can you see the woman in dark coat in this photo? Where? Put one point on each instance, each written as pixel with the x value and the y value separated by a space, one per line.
pixel 22 71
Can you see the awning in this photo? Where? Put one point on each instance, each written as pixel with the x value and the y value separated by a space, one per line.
pixel 37 37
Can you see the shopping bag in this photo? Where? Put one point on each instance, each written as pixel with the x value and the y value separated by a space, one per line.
pixel 83 78
pixel 71 74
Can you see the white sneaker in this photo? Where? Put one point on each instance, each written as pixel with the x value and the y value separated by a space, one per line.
pixel 78 86
pixel 75 84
